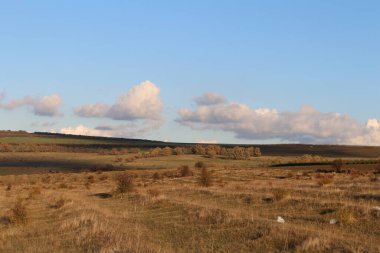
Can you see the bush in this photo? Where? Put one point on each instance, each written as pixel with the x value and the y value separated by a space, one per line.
pixel 156 176
pixel 205 178
pixel 200 165
pixel 124 183
pixel 345 216
pixel 184 171
pixel 338 165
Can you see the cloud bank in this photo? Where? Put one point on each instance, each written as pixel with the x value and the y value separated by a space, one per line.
pixel 141 106
pixel 308 125
pixel 140 102
pixel 45 106
pixel 122 131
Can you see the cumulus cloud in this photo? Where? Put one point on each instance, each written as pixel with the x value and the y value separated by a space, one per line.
pixel 83 130
pixel 45 106
pixel 124 131
pixel 307 125
pixel 210 99
pixel 92 111
pixel 140 102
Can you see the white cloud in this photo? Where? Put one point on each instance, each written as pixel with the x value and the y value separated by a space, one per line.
pixel 124 131
pixel 203 141
pixel 210 99
pixel 140 102
pixel 308 125
pixel 83 130
pixel 92 111
pixel 45 106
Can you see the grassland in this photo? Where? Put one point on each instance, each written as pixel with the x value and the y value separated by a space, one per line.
pixel 68 202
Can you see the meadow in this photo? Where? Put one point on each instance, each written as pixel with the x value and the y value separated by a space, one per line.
pixel 126 202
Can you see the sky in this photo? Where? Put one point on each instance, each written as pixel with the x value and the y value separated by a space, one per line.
pixel 241 71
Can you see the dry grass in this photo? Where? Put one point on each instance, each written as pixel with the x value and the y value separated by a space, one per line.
pixel 19 213
pixel 280 194
pixel 175 214
pixel 322 180
pixel 205 178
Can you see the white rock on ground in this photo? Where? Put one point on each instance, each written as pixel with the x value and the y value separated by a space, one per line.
pixel 280 219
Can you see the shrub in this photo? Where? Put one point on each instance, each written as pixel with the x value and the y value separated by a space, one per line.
pixel 9 187
pixel 156 176
pixel 345 216
pixel 19 212
pixel 205 178
pixel 338 165
pixel 200 165
pixel 184 171
pixel 124 183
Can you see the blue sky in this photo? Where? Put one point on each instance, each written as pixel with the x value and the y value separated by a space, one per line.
pixel 279 55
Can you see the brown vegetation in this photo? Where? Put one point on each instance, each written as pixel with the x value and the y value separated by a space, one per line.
pixel 124 183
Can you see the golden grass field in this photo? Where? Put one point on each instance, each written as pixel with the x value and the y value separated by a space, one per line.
pixel 165 212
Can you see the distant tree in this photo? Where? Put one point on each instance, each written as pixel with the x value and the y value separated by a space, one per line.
pixel 167 151
pixel 200 149
pixel 211 151
pixel 155 152
pixel 134 150
pixel 257 152
pixel 179 151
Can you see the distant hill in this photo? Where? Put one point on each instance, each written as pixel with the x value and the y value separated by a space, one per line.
pixel 16 137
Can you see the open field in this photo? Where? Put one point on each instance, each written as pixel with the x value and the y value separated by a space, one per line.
pixel 167 212
pixel 120 200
